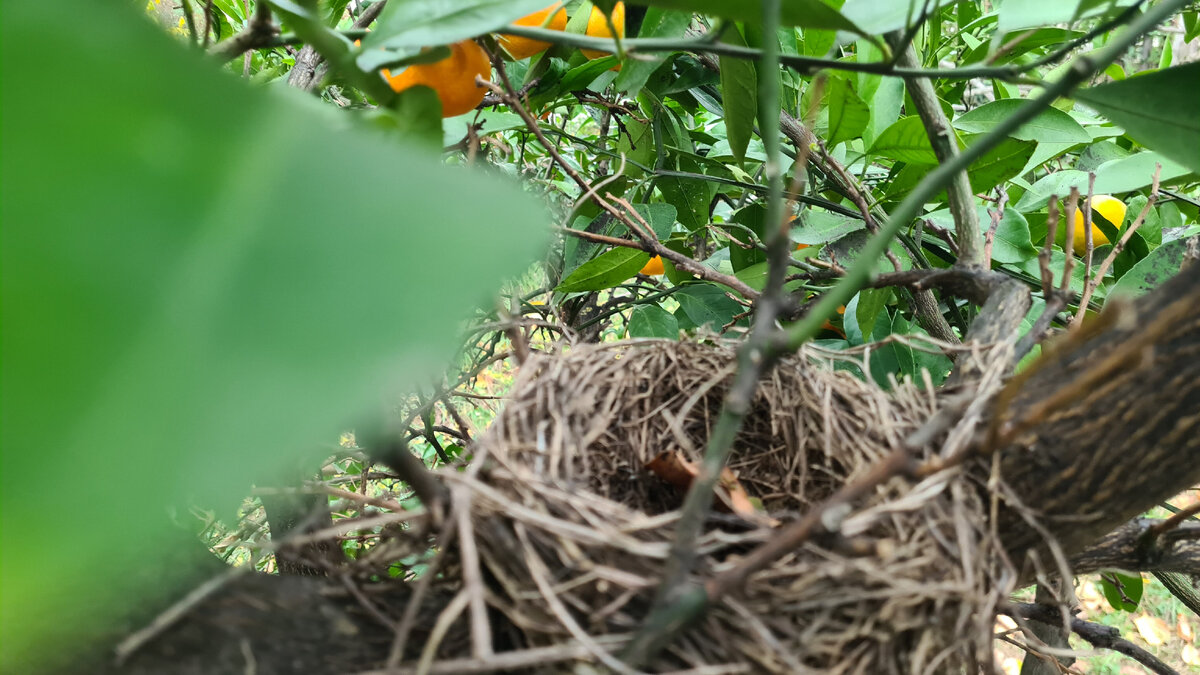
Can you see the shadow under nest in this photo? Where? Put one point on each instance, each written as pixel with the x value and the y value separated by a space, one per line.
pixel 570 532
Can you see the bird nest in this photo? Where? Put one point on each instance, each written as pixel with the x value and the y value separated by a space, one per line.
pixel 568 531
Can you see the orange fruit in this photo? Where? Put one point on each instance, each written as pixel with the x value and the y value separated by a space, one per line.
pixel 522 48
pixel 653 267
pixel 598 27
pixel 453 78
pixel 1111 208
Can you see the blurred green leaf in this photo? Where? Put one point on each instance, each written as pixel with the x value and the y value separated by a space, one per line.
pixel 1155 110
pixel 605 270
pixel 188 301
pixel 425 23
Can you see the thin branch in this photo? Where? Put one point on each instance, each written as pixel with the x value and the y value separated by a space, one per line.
pixel 1097 635
pixel 1094 281
pixel 945 146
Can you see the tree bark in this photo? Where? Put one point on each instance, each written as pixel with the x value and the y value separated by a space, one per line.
pixel 1108 425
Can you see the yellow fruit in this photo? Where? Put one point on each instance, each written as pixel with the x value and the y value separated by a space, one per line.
pixel 598 27
pixel 653 267
pixel 453 78
pixel 1111 208
pixel 522 48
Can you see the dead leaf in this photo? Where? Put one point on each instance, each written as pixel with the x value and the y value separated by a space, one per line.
pixel 1190 655
pixel 1183 628
pixel 674 468
pixel 1153 630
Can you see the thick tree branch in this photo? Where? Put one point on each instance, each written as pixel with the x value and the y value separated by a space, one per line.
pixel 1106 424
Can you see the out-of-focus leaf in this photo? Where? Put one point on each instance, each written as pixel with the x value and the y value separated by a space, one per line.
pixel 176 291
pixel 605 270
pixel 423 23
pixel 1155 110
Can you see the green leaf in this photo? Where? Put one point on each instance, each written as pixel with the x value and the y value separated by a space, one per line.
pixel 754 276
pixel 1018 14
pixel 739 93
pixel 1150 272
pixel 876 17
pixel 848 114
pixel 606 270
pixel 1113 177
pixel 706 303
pixel 821 227
pixel 652 321
pixel 425 23
pixel 1012 243
pixel 1126 597
pixel 1049 126
pixel 189 302
pixel 806 13
pixel 691 197
pixel 1157 110
pixel 905 141
pixel 871 302
pixel 1000 164
pixel 658 23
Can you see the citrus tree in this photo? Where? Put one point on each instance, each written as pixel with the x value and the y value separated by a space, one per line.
pixel 259 226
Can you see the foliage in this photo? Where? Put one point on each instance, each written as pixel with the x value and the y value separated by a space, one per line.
pixel 203 275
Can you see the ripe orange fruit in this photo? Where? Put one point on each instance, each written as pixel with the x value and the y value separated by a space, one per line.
pixel 453 78
pixel 1111 208
pixel 653 267
pixel 522 48
pixel 598 27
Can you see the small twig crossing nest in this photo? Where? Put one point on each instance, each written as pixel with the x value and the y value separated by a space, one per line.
pixel 571 530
